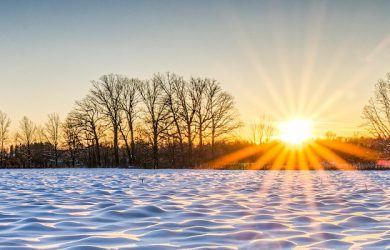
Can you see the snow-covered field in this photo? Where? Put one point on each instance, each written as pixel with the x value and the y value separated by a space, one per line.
pixel 167 209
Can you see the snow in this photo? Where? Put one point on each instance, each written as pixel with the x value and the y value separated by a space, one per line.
pixel 113 208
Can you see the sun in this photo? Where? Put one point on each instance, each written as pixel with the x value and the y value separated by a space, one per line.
pixel 295 131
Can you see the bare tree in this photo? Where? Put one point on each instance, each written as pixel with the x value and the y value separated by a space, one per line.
pixel 130 105
pixel 144 123
pixel 269 130
pixel 107 92
pixel 330 135
pixel 5 123
pixel 254 131
pixel 26 135
pixel 52 134
pixel 262 130
pixel 87 117
pixel 188 99
pixel 40 134
pixel 172 85
pixel 201 113
pixel 156 112
pixel 72 136
pixel 220 108
pixel 377 112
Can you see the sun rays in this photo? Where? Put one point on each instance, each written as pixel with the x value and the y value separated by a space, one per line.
pixel 294 148
pixel 301 85
pixel 307 155
pixel 311 158
pixel 307 81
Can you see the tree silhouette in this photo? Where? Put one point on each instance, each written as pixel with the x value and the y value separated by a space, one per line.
pixel 377 112
pixel 52 134
pixel 5 123
pixel 165 121
pixel 107 92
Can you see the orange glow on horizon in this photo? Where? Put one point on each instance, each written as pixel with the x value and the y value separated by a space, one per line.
pixel 312 155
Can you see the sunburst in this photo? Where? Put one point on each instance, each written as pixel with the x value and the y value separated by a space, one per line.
pixel 296 131
pixel 304 154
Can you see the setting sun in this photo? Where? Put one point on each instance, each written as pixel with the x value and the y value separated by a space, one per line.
pixel 295 131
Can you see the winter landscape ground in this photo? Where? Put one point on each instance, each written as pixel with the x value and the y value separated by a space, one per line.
pixel 168 209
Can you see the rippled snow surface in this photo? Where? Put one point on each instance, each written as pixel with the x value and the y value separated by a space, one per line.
pixel 167 209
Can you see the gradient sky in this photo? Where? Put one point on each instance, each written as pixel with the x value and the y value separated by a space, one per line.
pixel 316 59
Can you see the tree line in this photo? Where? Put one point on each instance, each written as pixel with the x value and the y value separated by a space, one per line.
pixel 165 121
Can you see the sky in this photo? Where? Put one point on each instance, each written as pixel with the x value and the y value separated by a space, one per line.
pixel 315 59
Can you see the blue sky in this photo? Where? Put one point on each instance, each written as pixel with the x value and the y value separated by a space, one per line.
pixel 315 59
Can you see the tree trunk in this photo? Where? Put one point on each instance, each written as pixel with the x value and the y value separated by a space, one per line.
pixel 213 143
pixel 200 142
pixel 98 158
pixel 132 143
pixel 128 151
pixel 173 154
pixel 155 149
pixel 189 160
pixel 201 135
pixel 55 156
pixel 28 155
pixel 1 154
pixel 181 154
pixel 116 148
pixel 73 159
pixel 179 132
